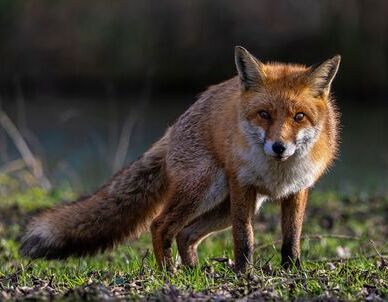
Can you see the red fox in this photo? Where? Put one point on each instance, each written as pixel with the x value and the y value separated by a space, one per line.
pixel 268 133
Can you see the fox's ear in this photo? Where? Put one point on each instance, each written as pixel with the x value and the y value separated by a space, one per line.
pixel 250 70
pixel 320 77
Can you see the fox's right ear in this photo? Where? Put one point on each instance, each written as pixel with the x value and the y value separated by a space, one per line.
pixel 250 70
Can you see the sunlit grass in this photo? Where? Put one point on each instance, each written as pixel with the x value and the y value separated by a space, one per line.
pixel 336 227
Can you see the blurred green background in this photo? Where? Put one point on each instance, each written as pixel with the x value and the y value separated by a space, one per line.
pixel 91 84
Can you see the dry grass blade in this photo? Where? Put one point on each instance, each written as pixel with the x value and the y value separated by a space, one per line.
pixel 12 166
pixel 385 257
pixel 31 161
pixel 124 140
pixel 141 269
pixel 312 237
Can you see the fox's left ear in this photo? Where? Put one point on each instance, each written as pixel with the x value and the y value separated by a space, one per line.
pixel 320 77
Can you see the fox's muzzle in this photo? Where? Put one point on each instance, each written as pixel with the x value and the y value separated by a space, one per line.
pixel 279 150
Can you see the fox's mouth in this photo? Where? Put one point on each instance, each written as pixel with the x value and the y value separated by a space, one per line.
pixel 281 158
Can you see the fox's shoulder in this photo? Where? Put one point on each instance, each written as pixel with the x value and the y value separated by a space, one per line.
pixel 210 106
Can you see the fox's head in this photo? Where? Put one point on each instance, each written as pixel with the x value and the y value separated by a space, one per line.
pixel 284 106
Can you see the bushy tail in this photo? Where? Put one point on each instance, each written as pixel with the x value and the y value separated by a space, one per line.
pixel 120 209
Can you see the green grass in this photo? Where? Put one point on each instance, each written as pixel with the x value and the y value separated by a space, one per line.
pixel 343 237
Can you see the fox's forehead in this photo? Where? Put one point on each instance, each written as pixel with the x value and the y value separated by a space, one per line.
pixel 285 76
pixel 286 82
pixel 275 70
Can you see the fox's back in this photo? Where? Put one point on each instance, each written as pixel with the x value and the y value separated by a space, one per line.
pixel 193 137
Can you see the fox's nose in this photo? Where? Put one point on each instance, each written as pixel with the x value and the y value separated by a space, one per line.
pixel 278 148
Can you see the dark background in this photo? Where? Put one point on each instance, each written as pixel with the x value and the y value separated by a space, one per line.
pixel 91 84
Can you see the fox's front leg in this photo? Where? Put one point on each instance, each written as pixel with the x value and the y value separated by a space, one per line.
pixel 242 209
pixel 293 208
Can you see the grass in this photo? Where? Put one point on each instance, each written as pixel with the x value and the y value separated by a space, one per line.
pixel 343 252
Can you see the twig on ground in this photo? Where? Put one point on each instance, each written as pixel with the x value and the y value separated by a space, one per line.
pixel 383 259
pixel 141 269
pixel 375 247
pixel 11 276
pixel 347 259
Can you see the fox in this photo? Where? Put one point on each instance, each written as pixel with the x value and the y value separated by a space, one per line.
pixel 268 133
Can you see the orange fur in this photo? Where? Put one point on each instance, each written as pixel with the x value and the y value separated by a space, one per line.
pixel 268 133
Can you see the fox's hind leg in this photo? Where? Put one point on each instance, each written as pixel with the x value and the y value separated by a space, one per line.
pixel 188 239
pixel 180 209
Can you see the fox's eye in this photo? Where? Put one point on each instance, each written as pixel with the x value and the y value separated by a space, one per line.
pixel 298 117
pixel 264 115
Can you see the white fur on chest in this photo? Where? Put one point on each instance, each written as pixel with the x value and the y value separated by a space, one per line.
pixel 278 178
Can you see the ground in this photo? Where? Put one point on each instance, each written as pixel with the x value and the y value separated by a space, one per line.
pixel 344 252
